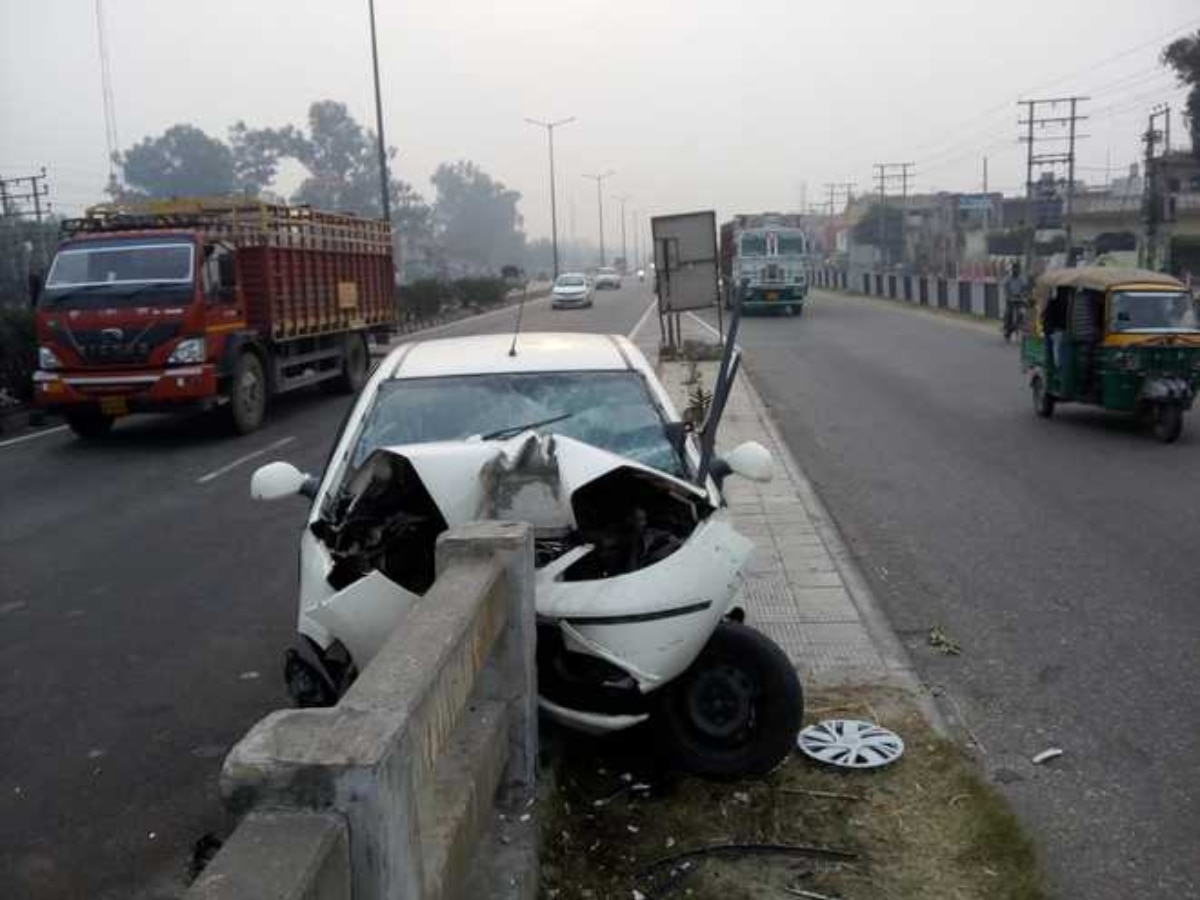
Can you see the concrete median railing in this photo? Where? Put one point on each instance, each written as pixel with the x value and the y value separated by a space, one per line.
pixel 976 297
pixel 387 795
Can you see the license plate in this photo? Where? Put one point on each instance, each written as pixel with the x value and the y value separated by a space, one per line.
pixel 114 406
pixel 771 295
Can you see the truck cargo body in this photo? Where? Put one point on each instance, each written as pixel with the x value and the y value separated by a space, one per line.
pixel 184 306
pixel 765 258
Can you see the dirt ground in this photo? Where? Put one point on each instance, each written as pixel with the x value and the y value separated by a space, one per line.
pixel 618 824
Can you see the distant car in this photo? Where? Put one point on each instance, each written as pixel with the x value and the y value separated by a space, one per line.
pixel 608 277
pixel 572 289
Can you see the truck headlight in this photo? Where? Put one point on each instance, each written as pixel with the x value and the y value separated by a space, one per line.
pixel 188 351
pixel 48 359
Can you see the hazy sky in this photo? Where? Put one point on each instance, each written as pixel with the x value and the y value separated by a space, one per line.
pixel 741 106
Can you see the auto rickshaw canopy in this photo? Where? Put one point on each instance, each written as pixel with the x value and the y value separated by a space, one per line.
pixel 1099 278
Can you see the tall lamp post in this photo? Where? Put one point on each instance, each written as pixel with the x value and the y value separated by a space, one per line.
pixel 384 199
pixel 550 126
pixel 599 179
pixel 624 246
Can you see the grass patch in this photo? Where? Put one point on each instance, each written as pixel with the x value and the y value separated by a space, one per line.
pixel 926 827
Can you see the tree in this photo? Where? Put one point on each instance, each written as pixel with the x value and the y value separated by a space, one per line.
pixel 183 161
pixel 1183 55
pixel 476 217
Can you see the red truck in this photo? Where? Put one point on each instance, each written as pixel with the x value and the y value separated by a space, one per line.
pixel 195 304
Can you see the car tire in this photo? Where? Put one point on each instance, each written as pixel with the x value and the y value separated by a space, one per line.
pixel 90 425
pixel 1043 403
pixel 1168 422
pixel 356 364
pixel 247 394
pixel 737 709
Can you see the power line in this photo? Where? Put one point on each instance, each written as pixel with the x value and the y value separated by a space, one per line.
pixel 111 139
pixel 1034 123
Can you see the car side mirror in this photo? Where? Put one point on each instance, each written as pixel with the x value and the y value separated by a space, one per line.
pixel 281 479
pixel 750 460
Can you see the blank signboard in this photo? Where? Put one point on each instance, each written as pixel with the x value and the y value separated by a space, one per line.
pixel 685 260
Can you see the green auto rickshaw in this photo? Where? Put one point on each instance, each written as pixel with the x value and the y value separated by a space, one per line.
pixel 1122 339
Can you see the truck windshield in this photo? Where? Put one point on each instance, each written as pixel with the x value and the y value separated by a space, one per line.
pixel 121 264
pixel 791 244
pixel 1134 311
pixel 754 245
pixel 610 410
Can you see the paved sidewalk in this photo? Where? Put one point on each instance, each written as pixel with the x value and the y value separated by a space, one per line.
pixel 802 587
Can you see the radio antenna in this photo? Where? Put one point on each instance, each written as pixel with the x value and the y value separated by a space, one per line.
pixel 512 351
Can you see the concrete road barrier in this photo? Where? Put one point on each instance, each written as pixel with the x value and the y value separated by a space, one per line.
pixel 388 794
pixel 970 296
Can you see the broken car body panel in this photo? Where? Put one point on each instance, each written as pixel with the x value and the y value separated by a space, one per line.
pixel 626 552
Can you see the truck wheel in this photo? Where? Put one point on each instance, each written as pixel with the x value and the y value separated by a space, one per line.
pixel 90 425
pixel 355 364
pixel 1168 422
pixel 736 711
pixel 1043 403
pixel 247 394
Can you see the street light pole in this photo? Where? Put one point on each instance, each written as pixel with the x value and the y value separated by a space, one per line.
pixel 550 126
pixel 624 246
pixel 384 198
pixel 599 179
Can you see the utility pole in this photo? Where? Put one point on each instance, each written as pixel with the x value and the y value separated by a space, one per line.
pixel 985 190
pixel 624 246
pixel 1032 158
pixel 884 173
pixel 385 200
pixel 112 141
pixel 26 189
pixel 599 179
pixel 845 188
pixel 550 126
pixel 1152 190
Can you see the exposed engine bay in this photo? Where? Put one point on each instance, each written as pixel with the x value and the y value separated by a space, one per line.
pixel 628 517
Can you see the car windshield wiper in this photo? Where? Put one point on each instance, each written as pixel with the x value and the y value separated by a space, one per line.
pixel 513 430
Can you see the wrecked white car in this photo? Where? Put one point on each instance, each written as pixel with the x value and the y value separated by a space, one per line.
pixel 638 568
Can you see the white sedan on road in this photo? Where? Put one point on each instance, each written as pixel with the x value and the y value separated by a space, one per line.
pixel 638 566
pixel 571 289
pixel 608 277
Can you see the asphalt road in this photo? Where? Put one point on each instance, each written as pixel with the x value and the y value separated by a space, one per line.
pixel 145 602
pixel 1060 554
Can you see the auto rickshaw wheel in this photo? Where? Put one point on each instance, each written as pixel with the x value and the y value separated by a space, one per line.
pixel 1168 422
pixel 1043 403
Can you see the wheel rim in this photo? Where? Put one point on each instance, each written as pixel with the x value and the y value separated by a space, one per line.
pixel 850 744
pixel 720 703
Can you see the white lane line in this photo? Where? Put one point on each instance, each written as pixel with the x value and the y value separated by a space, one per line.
pixel 242 460
pixel 704 324
pixel 30 437
pixel 642 321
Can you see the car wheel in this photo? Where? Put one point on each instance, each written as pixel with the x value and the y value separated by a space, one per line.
pixel 1168 422
pixel 247 394
pixel 737 709
pixel 1043 403
pixel 90 425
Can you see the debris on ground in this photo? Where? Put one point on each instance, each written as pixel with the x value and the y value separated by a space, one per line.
pixel 939 640
pixel 850 744
pixel 1046 755
pixel 928 828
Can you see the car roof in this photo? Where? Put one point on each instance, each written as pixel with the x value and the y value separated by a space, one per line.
pixel 487 354
pixel 1104 278
pixel 571 275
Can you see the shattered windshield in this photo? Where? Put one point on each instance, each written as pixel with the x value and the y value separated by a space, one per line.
pixel 609 410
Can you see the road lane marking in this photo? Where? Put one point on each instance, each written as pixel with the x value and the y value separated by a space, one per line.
pixel 29 437
pixel 642 321
pixel 242 460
